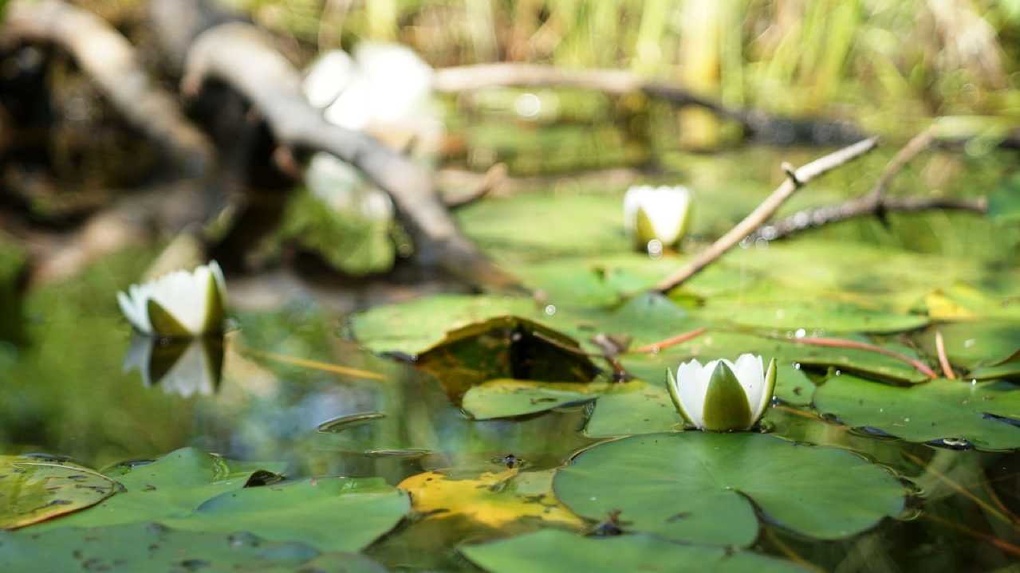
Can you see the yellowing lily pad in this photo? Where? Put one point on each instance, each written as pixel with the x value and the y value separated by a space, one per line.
pixel 979 413
pixel 37 489
pixel 492 499
pixel 698 487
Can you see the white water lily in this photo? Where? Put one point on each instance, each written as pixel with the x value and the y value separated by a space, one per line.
pixel 722 396
pixel 656 214
pixel 177 304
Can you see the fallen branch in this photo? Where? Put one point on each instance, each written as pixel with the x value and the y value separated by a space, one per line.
pixel 875 203
pixel 795 180
pixel 491 181
pixel 245 58
pixel 620 82
pixel 110 62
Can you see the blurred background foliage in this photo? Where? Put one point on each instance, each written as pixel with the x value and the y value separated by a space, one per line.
pixel 885 62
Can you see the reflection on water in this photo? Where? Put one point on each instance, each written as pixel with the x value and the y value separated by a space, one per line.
pixel 182 367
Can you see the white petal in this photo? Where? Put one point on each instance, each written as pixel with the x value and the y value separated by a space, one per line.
pixel 665 207
pixel 132 305
pixel 691 388
pixel 751 375
pixel 632 200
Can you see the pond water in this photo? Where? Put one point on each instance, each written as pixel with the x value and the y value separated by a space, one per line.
pixel 292 388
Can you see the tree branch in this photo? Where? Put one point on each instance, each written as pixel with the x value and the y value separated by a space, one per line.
pixel 875 202
pixel 795 180
pixel 110 62
pixel 245 58
pixel 619 82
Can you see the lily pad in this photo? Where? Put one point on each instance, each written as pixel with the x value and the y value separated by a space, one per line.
pixel 152 547
pixel 493 499
pixel 37 489
pixel 505 398
pixel 810 313
pixel 865 363
pixel 699 487
pixel 975 344
pixel 937 410
pixel 189 490
pixel 551 551
pixel 645 409
pixel 413 327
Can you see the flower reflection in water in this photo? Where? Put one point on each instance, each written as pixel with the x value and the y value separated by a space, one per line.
pixel 183 367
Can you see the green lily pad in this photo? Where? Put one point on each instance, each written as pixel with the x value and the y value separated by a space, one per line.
pixel 506 398
pixel 36 489
pixel 331 514
pixel 153 547
pixel 552 550
pixel 940 409
pixel 192 491
pixel 975 344
pixel 865 363
pixel 413 327
pixel 645 409
pixel 172 486
pixel 810 313
pixel 699 487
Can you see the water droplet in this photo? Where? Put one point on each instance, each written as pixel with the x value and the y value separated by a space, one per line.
pixel 839 373
pixel 796 365
pixel 528 105
pixel 906 419
pixel 550 309
pixel 654 248
pixel 801 333
pixel 881 410
pixel 969 342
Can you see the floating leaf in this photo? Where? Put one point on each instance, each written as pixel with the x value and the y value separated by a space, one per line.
pixel 37 489
pixel 331 514
pixel 505 398
pixel 493 499
pixel 645 409
pixel 415 326
pixel 551 550
pixel 699 487
pixel 936 410
pixel 153 547
pixel 865 363
pixel 810 313
pixel 192 491
pixel 975 344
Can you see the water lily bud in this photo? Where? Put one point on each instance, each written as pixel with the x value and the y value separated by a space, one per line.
pixel 656 214
pixel 179 304
pixel 722 396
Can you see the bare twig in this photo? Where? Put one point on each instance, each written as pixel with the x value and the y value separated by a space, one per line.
pixel 671 341
pixel 940 349
pixel 875 203
pixel 857 345
pixel 768 207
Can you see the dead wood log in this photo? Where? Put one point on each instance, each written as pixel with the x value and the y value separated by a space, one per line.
pixel 109 60
pixel 759 124
pixel 244 58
